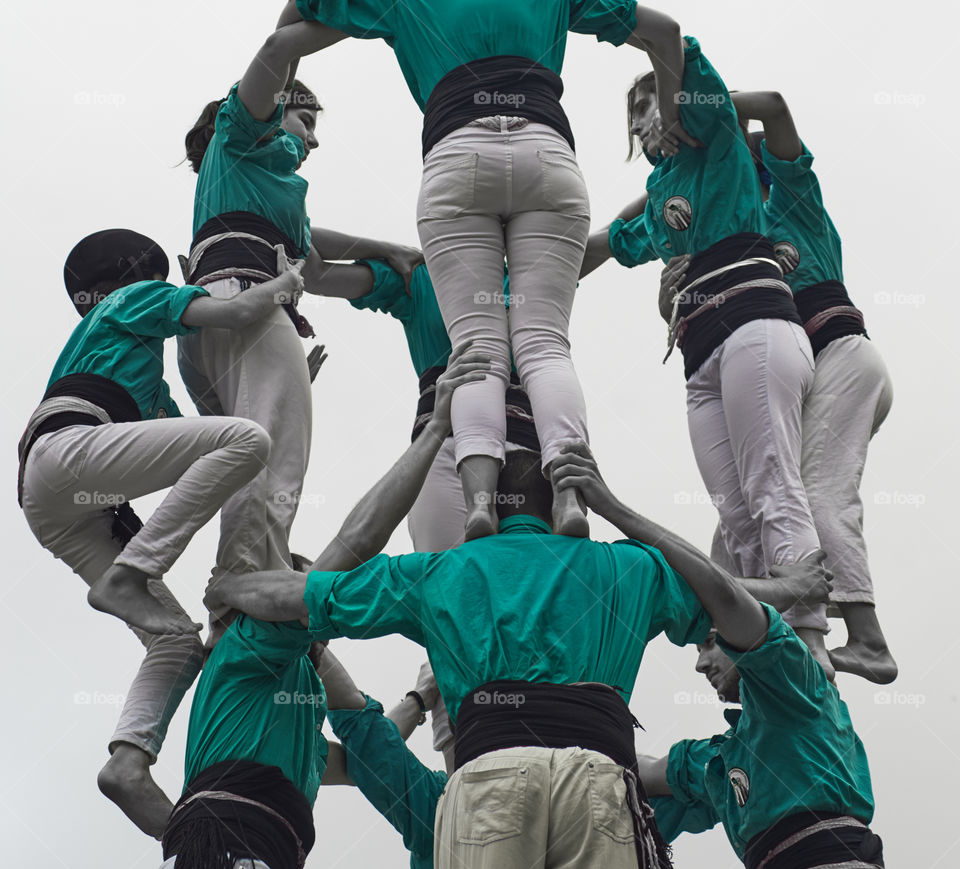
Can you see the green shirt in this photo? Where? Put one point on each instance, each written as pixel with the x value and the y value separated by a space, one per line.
pixel 251 165
pixel 522 604
pixel 432 37
pixel 699 196
pixel 259 699
pixel 121 339
pixel 391 777
pixel 805 240
pixel 791 748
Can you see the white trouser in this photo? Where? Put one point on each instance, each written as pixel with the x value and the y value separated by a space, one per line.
pixel 851 397
pixel 515 193
pixel 533 807
pixel 257 373
pixel 74 474
pixel 744 407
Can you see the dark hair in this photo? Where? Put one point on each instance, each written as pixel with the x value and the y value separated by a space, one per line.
pixel 646 83
pixel 301 97
pixel 197 140
pixel 522 478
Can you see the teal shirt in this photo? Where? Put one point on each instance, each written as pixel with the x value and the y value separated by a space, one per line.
pixel 432 37
pixel 251 165
pixel 792 743
pixel 122 337
pixel 391 776
pixel 418 312
pixel 804 238
pixel 699 196
pixel 522 604
pixel 259 699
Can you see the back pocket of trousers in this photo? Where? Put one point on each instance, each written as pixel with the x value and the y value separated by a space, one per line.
pixel 608 802
pixel 449 186
pixel 490 805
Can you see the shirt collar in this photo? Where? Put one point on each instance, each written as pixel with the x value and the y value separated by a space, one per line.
pixel 732 716
pixel 521 524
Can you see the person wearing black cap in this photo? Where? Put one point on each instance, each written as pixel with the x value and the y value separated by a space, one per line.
pixel 106 432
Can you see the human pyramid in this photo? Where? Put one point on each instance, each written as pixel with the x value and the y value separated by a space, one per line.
pixel 534 632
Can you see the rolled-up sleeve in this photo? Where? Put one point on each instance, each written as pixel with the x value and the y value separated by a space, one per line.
pixel 362 19
pixel 609 20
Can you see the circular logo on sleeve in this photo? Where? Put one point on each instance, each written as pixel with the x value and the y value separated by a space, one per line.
pixel 678 213
pixel 740 782
pixel 787 255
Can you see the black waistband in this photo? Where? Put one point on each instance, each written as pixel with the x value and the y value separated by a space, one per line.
pixel 239 253
pixel 512 714
pixel 836 845
pixel 710 329
pixel 204 833
pixel 105 393
pixel 821 297
pixel 521 429
pixel 503 85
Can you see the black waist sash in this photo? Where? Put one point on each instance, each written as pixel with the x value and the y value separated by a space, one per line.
pixel 513 714
pixel 521 429
pixel 270 821
pixel 710 329
pixel 828 313
pixel 838 844
pixel 244 254
pixel 504 85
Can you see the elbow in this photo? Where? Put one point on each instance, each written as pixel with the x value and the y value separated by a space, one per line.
pixel 275 50
pixel 775 104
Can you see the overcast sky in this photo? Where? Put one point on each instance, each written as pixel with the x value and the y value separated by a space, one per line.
pixel 99 96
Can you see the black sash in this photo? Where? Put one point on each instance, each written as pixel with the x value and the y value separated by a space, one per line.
pixel 822 297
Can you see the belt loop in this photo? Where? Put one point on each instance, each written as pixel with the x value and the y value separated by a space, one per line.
pixel 504 124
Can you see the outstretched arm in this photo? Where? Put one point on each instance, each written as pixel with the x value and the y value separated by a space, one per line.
pixel 770 108
pixel 267 76
pixel 369 525
pixel 336 280
pixel 653 774
pixel 598 244
pixel 245 308
pixel 331 245
pixel 738 617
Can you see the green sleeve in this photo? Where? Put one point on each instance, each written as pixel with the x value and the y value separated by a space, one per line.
pixel 388 295
pixel 382 596
pixel 150 308
pixel 706 109
pixel 780 682
pixel 795 193
pixel 688 809
pixel 237 130
pixel 609 20
pixel 630 242
pixel 389 774
pixel 362 19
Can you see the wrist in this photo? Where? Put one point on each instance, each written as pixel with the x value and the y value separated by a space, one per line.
pixel 417 697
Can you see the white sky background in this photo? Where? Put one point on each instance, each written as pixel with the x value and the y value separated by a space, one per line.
pixel 103 93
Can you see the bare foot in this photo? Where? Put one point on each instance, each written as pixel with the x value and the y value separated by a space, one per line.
pixel 126 780
pixel 481 522
pixel 569 517
pixel 122 592
pixel 874 665
pixel 816 643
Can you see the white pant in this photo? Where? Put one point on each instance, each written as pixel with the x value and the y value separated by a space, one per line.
pixel 74 474
pixel 851 397
pixel 257 373
pixel 515 193
pixel 744 408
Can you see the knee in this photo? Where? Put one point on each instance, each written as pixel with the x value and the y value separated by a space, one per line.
pixel 255 440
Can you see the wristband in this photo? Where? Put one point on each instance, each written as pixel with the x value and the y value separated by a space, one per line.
pixel 423 706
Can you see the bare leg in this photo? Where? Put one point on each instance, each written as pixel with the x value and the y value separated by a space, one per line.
pixel 816 643
pixel 126 780
pixel 122 592
pixel 478 476
pixel 866 653
pixel 569 514
pixel 269 595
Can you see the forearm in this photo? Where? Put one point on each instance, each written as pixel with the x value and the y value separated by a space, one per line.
pixel 597 251
pixel 738 617
pixel 659 35
pixel 335 772
pixel 342 691
pixel 369 525
pixel 771 109
pixel 406 715
pixel 653 774
pixel 236 313
pixel 332 245
pixel 336 280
